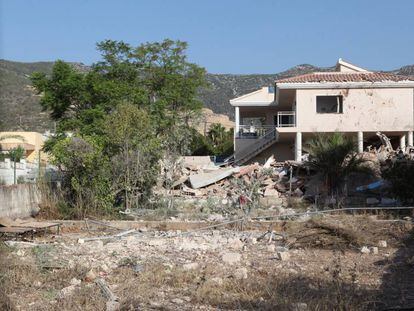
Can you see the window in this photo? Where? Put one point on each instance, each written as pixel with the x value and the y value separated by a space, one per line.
pixel 329 104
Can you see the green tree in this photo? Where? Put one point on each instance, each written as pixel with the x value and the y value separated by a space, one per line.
pixel 86 176
pixel 135 152
pixel 125 113
pixel 334 158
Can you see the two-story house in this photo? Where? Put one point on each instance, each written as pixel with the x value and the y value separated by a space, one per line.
pixel 279 120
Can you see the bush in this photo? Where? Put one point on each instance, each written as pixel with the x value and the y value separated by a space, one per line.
pixel 401 177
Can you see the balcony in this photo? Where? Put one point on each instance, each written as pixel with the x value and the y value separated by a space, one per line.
pixel 255 132
pixel 286 119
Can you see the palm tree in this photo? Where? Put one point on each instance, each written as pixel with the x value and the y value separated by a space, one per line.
pixel 334 158
pixel 217 134
pixel 15 153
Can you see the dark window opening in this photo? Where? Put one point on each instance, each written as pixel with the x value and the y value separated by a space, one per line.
pixel 329 104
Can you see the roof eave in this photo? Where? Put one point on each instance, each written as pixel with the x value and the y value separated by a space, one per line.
pixel 341 85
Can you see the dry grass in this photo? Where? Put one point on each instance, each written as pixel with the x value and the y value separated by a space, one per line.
pixel 264 290
pixel 41 286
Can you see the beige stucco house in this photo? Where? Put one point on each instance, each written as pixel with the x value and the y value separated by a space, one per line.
pixel 32 142
pixel 278 120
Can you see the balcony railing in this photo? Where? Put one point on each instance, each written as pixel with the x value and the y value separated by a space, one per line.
pixel 254 132
pixel 286 119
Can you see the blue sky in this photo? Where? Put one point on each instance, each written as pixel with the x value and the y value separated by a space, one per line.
pixel 224 36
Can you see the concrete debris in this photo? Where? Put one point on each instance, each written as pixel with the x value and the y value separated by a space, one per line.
pixel 283 256
pixel 374 250
pixel 231 258
pixel 204 179
pixel 365 250
pixel 191 266
pixel 66 291
pixel 382 244
pixel 240 273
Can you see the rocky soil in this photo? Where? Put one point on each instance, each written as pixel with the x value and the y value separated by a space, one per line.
pixel 206 270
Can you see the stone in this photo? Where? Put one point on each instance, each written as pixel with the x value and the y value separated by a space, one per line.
pixel 215 217
pixel 374 250
pixel 113 305
pixel 66 291
pixel 382 244
pixel 105 268
pixel 20 253
pixel 75 282
pixel 217 280
pixel 283 256
pixel 365 250
pixel 235 243
pixel 231 258
pixel 177 301
pixel 90 276
pixel 271 248
pixel 271 192
pixel 191 266
pixel 240 274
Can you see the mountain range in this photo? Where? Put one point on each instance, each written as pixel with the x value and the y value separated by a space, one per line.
pixel 20 109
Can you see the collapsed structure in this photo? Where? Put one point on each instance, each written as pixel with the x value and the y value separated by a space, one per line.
pixel 351 100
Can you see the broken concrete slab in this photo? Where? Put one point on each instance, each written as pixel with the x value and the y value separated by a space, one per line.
pixel 205 179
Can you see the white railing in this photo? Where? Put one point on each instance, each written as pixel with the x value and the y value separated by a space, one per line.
pixel 254 132
pixel 249 151
pixel 286 119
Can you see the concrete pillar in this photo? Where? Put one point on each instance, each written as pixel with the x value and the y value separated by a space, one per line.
pixel 360 142
pixel 402 142
pixel 237 119
pixel 410 139
pixel 298 147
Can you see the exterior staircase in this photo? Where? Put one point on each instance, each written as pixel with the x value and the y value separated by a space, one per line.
pixel 261 144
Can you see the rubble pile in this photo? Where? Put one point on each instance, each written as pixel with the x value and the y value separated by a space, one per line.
pixel 200 178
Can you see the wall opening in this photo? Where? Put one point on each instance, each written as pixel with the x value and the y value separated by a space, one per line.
pixel 329 104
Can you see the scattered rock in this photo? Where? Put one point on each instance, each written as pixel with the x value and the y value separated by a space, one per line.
pixel 271 248
pixel 191 266
pixel 177 301
pixel 240 274
pixel 105 268
pixel 75 282
pixel 113 305
pixel 231 258
pixel 283 256
pixel 67 291
pixel 236 243
pixel 20 253
pixel 382 244
pixel 90 276
pixel 374 250
pixel 365 250
pixel 217 280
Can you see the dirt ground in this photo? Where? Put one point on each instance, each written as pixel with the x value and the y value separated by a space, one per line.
pixel 313 265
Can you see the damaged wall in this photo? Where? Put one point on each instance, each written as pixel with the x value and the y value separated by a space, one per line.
pixel 371 110
pixel 19 200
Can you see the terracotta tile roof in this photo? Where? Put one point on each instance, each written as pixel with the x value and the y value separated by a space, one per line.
pixel 339 77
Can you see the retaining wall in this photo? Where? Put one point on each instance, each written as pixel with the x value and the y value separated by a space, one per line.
pixel 20 200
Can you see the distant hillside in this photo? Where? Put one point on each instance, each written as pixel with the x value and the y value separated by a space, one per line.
pixel 20 109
